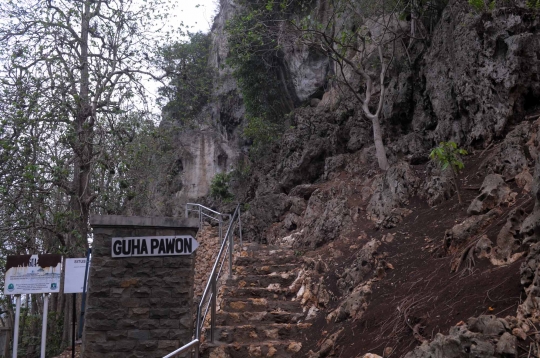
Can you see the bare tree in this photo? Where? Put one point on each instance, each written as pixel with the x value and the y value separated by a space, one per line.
pixel 83 62
pixel 70 71
pixel 362 40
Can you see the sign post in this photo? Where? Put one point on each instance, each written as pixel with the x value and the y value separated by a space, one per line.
pixel 74 313
pixel 16 328
pixel 83 301
pixel 28 274
pixel 44 326
pixel 74 282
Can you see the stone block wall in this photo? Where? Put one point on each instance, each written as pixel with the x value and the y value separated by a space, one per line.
pixel 138 306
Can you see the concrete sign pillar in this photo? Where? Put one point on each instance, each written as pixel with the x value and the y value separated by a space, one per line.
pixel 138 306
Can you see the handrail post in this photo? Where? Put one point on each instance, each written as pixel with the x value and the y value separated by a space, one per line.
pixel 231 246
pixel 187 212
pixel 198 323
pixel 213 309
pixel 240 225
pixel 200 218
pixel 220 229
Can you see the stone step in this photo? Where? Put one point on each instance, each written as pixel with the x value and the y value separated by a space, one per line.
pixel 258 305
pixel 255 248
pixel 277 349
pixel 282 279
pixel 262 317
pixel 261 260
pixel 275 292
pixel 257 333
pixel 262 269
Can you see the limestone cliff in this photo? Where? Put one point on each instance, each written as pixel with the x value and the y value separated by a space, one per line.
pixel 475 81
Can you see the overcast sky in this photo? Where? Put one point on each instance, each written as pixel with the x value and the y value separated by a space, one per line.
pixel 200 17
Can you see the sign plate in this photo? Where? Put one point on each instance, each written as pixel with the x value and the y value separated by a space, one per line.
pixel 153 246
pixel 33 274
pixel 74 275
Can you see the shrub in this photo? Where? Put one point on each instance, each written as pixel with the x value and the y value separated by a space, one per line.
pixel 482 5
pixel 447 154
pixel 219 187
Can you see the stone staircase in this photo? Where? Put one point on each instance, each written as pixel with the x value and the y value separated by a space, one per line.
pixel 257 317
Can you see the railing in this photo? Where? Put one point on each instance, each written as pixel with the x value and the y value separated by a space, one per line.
pixel 208 301
pixel 205 212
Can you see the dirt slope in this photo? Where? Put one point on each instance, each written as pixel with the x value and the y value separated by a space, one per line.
pixel 417 294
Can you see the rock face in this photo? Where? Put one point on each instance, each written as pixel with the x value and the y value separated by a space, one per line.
pixel 489 56
pixel 308 70
pixel 204 154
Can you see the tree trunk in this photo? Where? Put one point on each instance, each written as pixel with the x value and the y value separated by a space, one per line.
pixel 454 179
pixel 380 151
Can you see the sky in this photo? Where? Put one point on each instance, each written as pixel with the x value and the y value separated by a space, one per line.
pixel 198 15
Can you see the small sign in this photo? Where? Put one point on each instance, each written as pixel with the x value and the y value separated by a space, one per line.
pixel 153 246
pixel 33 274
pixel 74 275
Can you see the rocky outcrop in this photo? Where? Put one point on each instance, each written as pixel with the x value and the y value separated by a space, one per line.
pixel 438 186
pixel 391 192
pixel 482 337
pixel 530 229
pixel 516 153
pixel 363 264
pixel 459 236
pixel 508 240
pixel 325 217
pixel 493 193
pixel 528 312
pixel 479 74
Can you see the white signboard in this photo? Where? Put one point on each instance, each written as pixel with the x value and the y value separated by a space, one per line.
pixel 153 246
pixel 33 274
pixel 74 275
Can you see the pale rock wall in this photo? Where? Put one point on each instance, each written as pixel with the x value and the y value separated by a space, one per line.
pixel 205 154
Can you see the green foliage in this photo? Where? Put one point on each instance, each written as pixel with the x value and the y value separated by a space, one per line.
pixel 483 5
pixel 447 154
pixel 219 187
pixel 256 59
pixel 30 324
pixel 190 77
pixel 262 132
pixel 533 4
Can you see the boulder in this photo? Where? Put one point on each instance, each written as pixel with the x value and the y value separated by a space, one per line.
pixel 325 217
pixel 530 274
pixel 508 239
pixel 392 191
pixel 530 228
pixel 493 193
pixel 458 236
pixel 353 306
pixel 438 187
pixel 360 267
pixel 482 337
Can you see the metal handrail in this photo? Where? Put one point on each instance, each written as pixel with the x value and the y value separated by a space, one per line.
pixel 208 300
pixel 203 212
pixel 193 344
